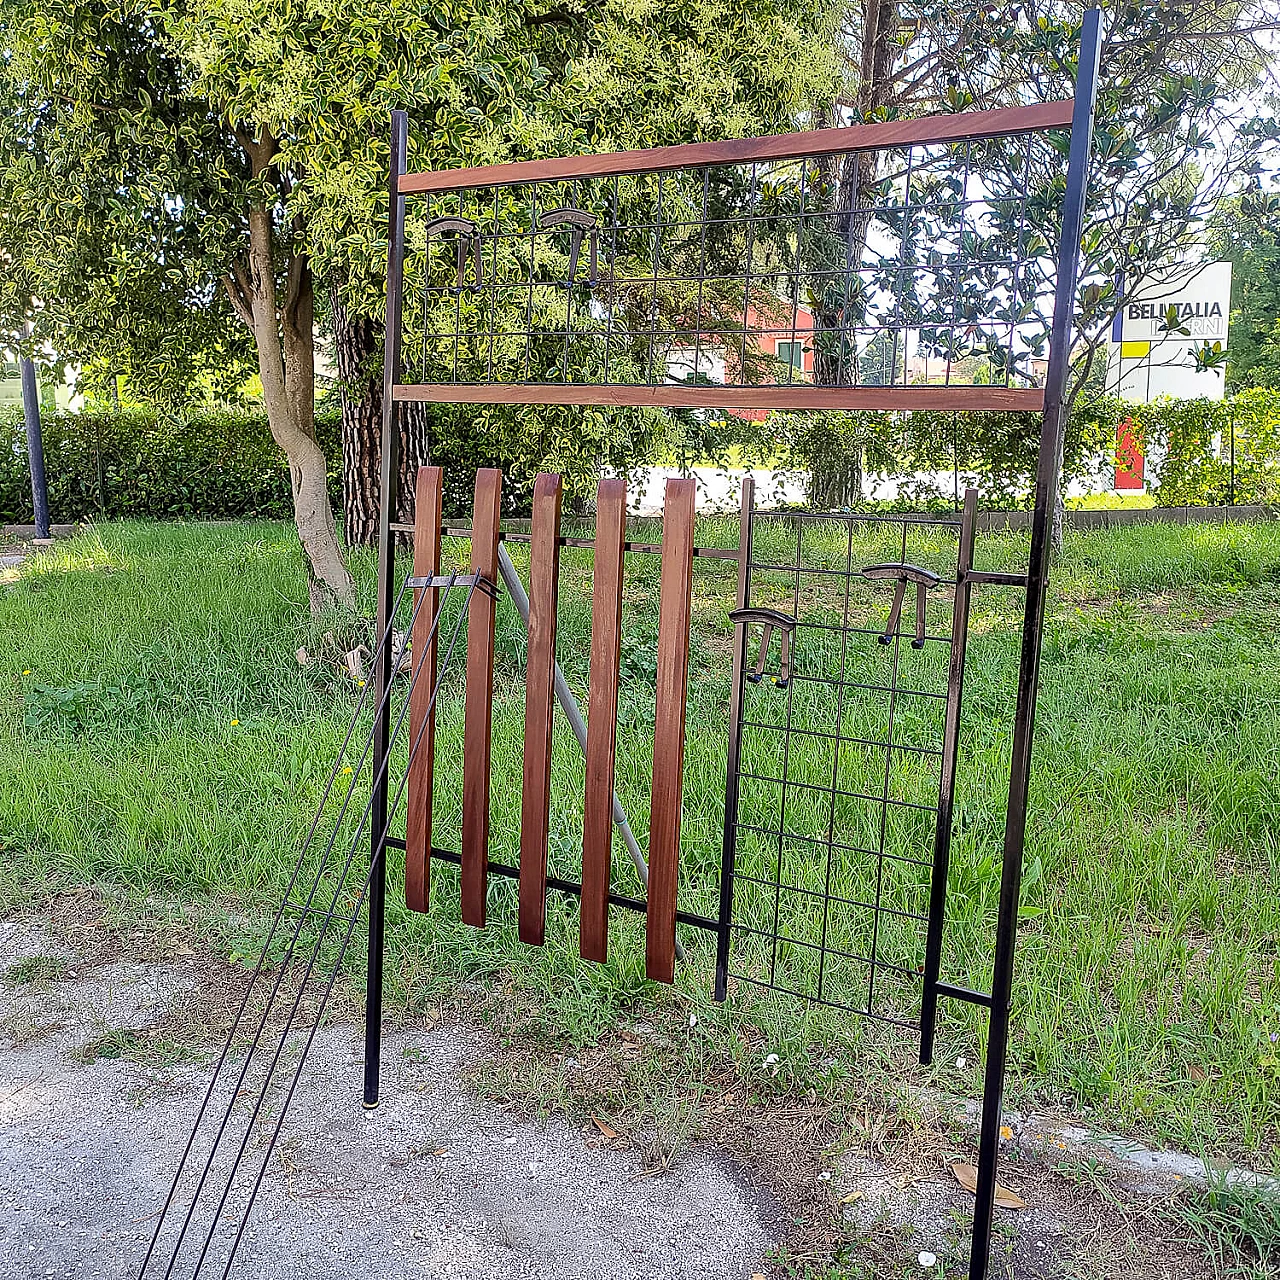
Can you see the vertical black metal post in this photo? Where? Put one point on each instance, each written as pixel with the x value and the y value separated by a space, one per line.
pixel 1048 475
pixel 386 600
pixel 35 447
pixel 947 780
pixel 1231 495
pixel 731 783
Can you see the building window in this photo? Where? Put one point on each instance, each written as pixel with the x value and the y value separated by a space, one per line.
pixel 792 353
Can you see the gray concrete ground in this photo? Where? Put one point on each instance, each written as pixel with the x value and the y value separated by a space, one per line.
pixel 436 1183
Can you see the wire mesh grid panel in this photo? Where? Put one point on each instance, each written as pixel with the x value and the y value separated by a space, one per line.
pixel 844 740
pixel 750 275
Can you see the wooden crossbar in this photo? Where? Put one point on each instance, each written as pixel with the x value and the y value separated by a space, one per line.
pixel 957 127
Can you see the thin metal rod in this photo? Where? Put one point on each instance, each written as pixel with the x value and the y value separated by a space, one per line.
pixel 732 785
pixel 288 1026
pixel 573 713
pixel 947 781
pixel 1048 475
pixel 333 976
pixel 389 502
pixel 257 971
pixel 280 973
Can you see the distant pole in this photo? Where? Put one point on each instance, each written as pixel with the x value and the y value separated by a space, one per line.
pixel 35 447
pixel 1231 496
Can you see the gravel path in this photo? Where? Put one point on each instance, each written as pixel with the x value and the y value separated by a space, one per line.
pixel 436 1183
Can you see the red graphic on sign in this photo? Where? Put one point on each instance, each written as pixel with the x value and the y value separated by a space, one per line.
pixel 1129 456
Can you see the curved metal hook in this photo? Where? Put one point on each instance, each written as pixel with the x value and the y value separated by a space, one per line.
pixel 925 580
pixel 469 242
pixel 785 625
pixel 582 223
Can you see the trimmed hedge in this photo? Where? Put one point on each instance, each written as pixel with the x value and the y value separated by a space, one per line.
pixel 218 463
pixel 1189 446
pixel 223 464
pixel 200 464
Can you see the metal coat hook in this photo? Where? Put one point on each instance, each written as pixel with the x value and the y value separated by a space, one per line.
pixel 582 223
pixel 785 624
pixel 925 579
pixel 470 243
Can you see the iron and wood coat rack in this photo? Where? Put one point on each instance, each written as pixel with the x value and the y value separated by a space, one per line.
pixel 594 180
pixel 650 280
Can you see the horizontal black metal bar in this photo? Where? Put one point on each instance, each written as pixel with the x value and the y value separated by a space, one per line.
pixel 857 1009
pixel 996 579
pixel 963 993
pixel 848 795
pixel 859 517
pixel 835 627
pixel 569 886
pixel 806 570
pixel 873 688
pixel 839 737
pixel 830 951
pixel 834 844
pixel 829 897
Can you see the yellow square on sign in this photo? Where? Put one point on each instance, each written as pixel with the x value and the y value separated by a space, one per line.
pixel 1134 350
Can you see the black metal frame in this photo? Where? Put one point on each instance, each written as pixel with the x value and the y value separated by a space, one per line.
pixel 998 1002
pixel 1048 482
pixel 841 578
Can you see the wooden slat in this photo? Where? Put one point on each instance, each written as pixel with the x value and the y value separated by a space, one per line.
pixel 675 604
pixel 956 127
pixel 478 714
pixel 427 517
pixel 679 396
pixel 539 706
pixel 602 717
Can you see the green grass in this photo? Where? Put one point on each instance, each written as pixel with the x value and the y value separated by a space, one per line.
pixel 1238 1225
pixel 159 734
pixel 35 969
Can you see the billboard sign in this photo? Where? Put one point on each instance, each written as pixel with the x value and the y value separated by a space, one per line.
pixel 1163 321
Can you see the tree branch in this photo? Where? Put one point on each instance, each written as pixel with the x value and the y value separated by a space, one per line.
pixel 239 291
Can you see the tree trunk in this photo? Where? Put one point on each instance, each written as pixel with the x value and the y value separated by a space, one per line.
pixel 286 355
pixel 358 350
pixel 854 191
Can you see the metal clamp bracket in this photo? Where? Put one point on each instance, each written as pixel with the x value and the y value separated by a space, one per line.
pixel 582 223
pixel 785 625
pixel 443 581
pixel 470 244
pixel 925 580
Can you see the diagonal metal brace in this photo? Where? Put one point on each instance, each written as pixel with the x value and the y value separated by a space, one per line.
pixel 925 580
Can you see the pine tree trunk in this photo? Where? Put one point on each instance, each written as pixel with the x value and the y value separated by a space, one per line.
pixel 358 350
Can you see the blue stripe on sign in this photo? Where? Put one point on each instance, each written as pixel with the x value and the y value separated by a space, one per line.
pixel 1117 323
